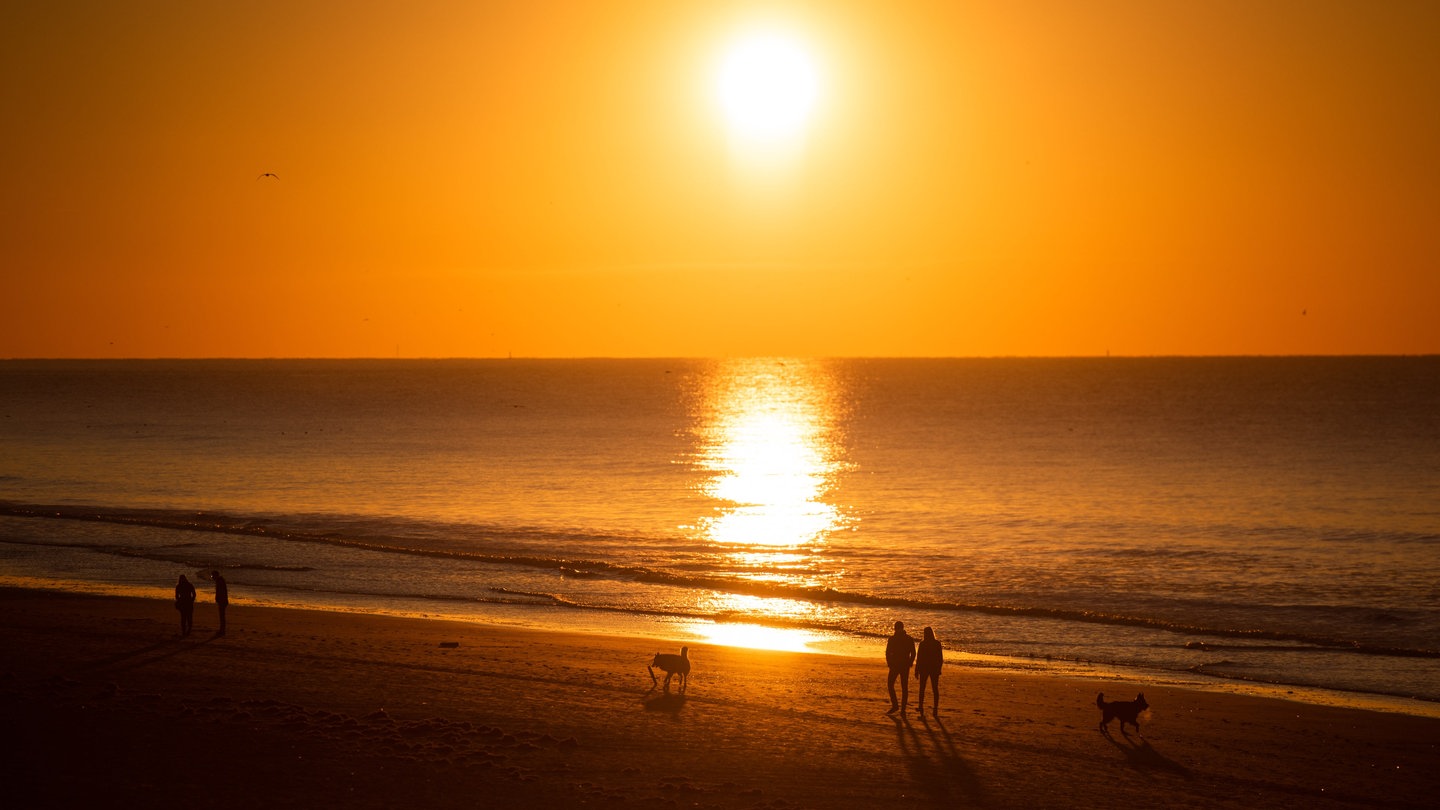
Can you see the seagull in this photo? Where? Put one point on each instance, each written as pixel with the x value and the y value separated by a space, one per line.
pixel 269 174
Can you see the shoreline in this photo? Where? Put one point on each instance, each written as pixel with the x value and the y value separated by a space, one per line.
pixel 296 707
pixel 700 631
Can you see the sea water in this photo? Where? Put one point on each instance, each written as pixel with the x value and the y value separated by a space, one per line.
pixel 1268 522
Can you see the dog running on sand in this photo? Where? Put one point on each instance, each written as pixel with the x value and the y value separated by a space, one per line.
pixel 672 665
pixel 1128 711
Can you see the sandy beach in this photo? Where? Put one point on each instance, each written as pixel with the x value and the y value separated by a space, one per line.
pixel 106 705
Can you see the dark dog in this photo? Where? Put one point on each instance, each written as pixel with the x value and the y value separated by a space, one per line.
pixel 1128 711
pixel 672 665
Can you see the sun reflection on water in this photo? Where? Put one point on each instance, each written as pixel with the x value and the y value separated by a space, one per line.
pixel 756 636
pixel 732 631
pixel 768 449
pixel 766 440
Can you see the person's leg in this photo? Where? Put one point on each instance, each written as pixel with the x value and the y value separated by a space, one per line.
pixel 920 695
pixel 894 673
pixel 904 687
pixel 935 690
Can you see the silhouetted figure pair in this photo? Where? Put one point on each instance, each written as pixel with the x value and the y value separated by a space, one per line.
pixel 899 655
pixel 185 603
pixel 222 598
pixel 928 661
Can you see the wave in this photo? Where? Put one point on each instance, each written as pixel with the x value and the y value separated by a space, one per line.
pixel 161 554
pixel 571 567
pixel 1223 670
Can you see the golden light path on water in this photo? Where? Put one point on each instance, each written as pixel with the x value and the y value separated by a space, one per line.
pixel 766 432
pixel 756 636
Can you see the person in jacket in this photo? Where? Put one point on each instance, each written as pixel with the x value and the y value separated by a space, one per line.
pixel 928 661
pixel 185 603
pixel 899 655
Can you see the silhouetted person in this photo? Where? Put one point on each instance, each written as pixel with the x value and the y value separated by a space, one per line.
pixel 222 598
pixel 185 603
pixel 899 654
pixel 928 661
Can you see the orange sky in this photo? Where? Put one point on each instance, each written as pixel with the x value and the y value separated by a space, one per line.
pixel 544 178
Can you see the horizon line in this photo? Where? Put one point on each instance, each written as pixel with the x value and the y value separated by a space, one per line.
pixel 458 358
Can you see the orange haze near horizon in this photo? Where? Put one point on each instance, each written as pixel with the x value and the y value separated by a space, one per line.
pixel 554 179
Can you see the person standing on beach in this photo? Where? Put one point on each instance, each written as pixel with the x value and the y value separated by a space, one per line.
pixel 222 598
pixel 899 655
pixel 185 603
pixel 928 661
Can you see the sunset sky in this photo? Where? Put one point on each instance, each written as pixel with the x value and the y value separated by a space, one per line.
pixel 475 178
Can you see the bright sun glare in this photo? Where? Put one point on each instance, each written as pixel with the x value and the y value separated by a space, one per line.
pixel 767 85
pixel 756 637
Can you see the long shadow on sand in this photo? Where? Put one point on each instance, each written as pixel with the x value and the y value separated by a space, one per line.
pixel 149 654
pixel 1142 756
pixel 665 702
pixel 935 763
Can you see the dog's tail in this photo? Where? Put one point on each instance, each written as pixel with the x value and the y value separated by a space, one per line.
pixel 1100 700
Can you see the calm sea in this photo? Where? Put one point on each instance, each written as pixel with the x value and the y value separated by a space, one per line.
pixel 1259 522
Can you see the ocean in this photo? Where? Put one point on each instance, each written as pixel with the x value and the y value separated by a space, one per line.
pixel 1251 524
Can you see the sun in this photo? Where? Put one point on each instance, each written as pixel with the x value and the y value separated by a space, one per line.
pixel 767 85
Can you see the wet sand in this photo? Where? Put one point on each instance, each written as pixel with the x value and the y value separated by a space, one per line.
pixel 105 705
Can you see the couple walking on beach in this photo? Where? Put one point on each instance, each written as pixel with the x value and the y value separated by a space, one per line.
pixel 185 601
pixel 900 653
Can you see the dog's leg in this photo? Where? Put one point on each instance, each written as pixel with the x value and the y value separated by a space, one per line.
pixel 654 681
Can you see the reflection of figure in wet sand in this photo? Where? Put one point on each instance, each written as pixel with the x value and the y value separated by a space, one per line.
pixel 185 603
pixel 222 598
pixel 899 654
pixel 928 661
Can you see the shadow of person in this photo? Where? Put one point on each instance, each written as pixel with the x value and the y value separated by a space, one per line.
pixel 121 657
pixel 933 717
pixel 935 764
pixel 144 656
